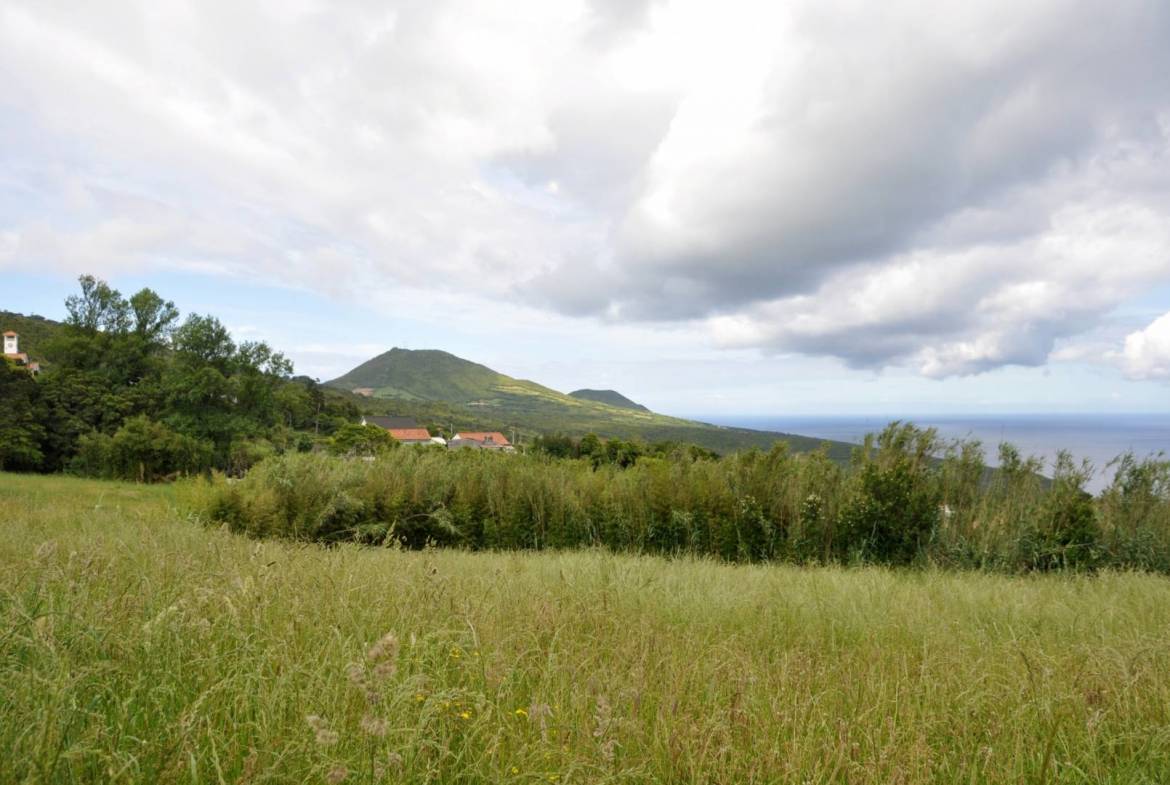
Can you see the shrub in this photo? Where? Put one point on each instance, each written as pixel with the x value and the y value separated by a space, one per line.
pixel 1068 535
pixel 243 454
pixel 355 440
pixel 896 507
pixel 141 450
pixel 1135 512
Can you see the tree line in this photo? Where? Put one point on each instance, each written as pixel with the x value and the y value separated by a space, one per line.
pixel 905 498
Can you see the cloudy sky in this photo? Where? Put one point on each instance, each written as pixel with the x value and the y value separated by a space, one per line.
pixel 822 206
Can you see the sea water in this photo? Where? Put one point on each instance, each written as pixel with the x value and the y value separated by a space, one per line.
pixel 1098 437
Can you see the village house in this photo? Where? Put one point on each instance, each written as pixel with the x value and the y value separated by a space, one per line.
pixel 408 431
pixel 403 429
pixel 12 352
pixel 481 440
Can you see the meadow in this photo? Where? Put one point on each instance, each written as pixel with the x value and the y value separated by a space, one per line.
pixel 140 645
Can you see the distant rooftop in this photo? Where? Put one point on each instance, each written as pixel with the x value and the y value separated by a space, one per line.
pixel 490 437
pixel 410 434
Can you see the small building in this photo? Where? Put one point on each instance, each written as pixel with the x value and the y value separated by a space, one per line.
pixel 13 353
pixel 403 429
pixel 481 440
pixel 411 435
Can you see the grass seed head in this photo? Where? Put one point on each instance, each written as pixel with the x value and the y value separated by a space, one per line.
pixel 323 735
pixel 385 649
pixel 375 726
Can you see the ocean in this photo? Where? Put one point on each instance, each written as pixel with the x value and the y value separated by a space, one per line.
pixel 1097 437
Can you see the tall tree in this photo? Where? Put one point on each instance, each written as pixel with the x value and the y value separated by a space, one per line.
pixel 153 318
pixel 98 307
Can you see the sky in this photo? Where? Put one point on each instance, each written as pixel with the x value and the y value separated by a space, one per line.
pixel 732 208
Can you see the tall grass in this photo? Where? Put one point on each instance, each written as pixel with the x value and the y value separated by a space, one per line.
pixel 137 647
pixel 906 499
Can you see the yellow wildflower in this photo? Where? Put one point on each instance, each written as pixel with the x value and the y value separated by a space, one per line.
pixel 521 713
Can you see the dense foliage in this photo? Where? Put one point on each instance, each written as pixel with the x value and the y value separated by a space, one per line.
pixel 906 498
pixel 621 452
pixel 133 392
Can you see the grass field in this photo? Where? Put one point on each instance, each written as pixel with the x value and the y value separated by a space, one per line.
pixel 137 646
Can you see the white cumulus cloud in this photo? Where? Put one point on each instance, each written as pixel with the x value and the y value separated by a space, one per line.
pixel 1147 351
pixel 951 187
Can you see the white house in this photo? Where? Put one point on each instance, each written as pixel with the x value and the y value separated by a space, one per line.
pixel 12 352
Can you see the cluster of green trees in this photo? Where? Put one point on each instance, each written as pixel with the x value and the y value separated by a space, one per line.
pixel 619 452
pixel 906 498
pixel 134 392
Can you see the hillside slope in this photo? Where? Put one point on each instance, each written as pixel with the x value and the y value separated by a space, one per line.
pixel 35 332
pixel 612 397
pixel 439 387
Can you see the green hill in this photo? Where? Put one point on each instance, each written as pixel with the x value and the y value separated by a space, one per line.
pixel 35 332
pixel 439 388
pixel 612 397
pixel 430 375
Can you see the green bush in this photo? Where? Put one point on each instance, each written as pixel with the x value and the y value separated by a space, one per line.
pixel 243 454
pixel 1135 513
pixel 141 450
pixel 356 440
pixel 896 507
pixel 1067 535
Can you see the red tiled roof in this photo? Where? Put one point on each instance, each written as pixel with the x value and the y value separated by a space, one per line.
pixel 483 436
pixel 8 333
pixel 410 434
